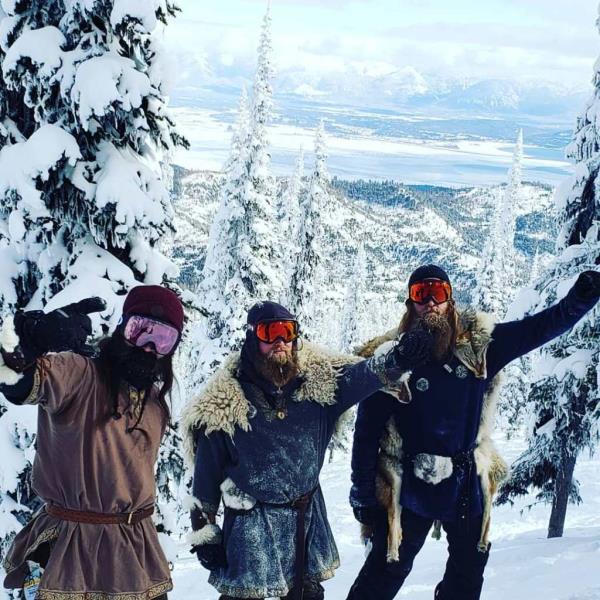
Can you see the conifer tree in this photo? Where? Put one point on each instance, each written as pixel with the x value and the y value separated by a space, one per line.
pixel 564 396
pixel 244 262
pixel 497 273
pixel 355 306
pixel 307 276
pixel 289 211
pixel 83 124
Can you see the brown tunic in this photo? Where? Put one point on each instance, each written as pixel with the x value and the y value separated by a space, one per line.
pixel 86 461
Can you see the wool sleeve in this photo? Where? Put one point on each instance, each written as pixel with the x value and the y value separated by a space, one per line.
pixel 57 380
pixel 212 455
pixel 516 338
pixel 372 416
pixel 355 383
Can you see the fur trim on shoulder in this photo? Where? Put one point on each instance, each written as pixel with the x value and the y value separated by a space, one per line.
pixel 222 405
pixel 319 369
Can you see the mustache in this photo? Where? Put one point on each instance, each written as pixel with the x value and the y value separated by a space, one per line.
pixel 278 368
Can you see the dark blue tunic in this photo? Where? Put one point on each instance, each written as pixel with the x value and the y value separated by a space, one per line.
pixel 444 416
pixel 277 461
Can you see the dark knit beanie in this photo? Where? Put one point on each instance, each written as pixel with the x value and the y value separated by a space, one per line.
pixel 428 272
pixel 268 311
pixel 155 301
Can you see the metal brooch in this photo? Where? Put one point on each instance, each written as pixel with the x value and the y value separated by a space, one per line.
pixel 422 384
pixel 461 372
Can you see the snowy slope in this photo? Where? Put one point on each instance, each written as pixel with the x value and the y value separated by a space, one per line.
pixel 523 565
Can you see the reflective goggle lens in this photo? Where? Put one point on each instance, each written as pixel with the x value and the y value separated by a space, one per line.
pixel 270 331
pixel 140 330
pixel 422 291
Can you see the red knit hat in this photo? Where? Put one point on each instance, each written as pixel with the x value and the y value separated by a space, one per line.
pixel 155 301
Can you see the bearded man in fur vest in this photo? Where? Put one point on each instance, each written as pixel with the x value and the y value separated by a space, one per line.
pixel 422 451
pixel 258 435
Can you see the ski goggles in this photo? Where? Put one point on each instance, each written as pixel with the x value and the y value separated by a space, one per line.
pixel 270 331
pixel 140 331
pixel 421 292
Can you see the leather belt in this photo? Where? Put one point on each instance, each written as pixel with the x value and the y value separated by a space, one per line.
pixel 79 516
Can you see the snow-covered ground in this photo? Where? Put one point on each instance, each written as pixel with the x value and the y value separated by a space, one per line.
pixel 523 565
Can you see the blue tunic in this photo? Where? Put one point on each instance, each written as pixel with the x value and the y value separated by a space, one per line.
pixel 275 462
pixel 444 416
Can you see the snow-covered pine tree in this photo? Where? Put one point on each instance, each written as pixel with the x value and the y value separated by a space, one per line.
pixel 513 403
pixel 304 295
pixel 289 212
pixel 244 261
pixel 355 308
pixel 497 274
pixel 82 206
pixel 564 396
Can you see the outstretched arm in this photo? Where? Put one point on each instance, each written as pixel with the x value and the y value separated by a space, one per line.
pixel 516 338
pixel 29 335
pixel 361 380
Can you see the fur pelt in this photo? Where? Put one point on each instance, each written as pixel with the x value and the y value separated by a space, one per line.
pixel 222 405
pixel 473 339
pixel 209 534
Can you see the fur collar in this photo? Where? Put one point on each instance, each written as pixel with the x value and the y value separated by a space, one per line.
pixel 475 335
pixel 222 405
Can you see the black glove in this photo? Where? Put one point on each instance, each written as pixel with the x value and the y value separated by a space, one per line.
pixel 65 328
pixel 412 351
pixel 368 515
pixel 211 556
pixel 587 286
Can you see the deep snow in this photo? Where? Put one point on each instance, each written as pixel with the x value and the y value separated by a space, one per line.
pixel 523 565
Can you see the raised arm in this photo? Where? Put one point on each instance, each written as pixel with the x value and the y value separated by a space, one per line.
pixel 516 338
pixel 29 335
pixel 384 369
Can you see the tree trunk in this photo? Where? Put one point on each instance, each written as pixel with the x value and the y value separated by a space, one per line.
pixel 564 478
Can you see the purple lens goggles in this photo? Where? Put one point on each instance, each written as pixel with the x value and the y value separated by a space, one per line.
pixel 141 331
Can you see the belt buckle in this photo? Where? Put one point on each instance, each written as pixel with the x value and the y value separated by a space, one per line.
pixel 129 517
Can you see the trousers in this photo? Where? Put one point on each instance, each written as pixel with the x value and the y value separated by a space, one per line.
pixel 463 578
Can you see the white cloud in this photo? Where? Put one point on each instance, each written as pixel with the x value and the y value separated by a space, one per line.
pixel 527 39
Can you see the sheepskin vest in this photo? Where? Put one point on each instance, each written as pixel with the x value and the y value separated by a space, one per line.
pixel 274 460
pixel 471 348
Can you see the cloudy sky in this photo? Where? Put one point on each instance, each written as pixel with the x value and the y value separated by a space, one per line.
pixel 553 40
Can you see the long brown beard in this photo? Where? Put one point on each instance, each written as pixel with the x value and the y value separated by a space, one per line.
pixel 441 329
pixel 278 369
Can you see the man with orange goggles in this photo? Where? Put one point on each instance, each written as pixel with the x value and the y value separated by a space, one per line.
pixel 429 458
pixel 258 434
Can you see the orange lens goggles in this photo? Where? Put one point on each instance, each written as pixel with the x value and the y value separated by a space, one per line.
pixel 270 331
pixel 421 292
